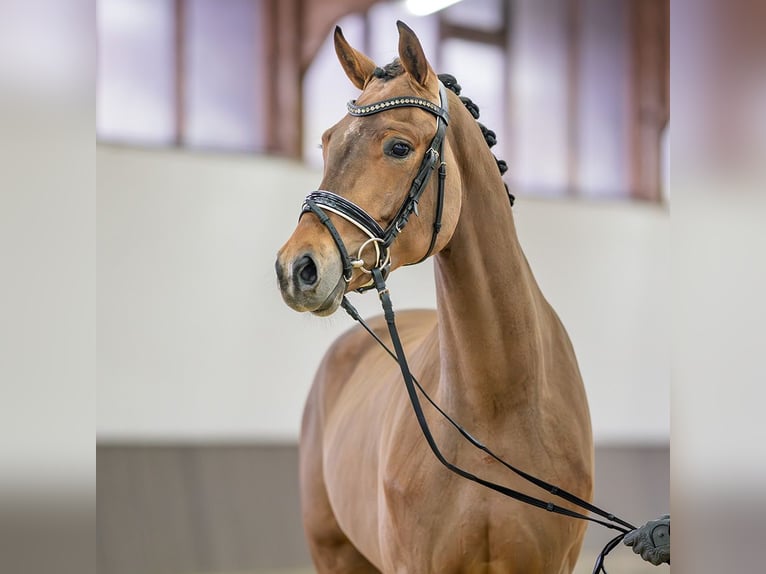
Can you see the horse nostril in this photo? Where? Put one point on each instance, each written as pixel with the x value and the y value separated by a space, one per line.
pixel 305 272
pixel 280 273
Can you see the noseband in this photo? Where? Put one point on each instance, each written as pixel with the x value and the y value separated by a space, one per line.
pixel 320 201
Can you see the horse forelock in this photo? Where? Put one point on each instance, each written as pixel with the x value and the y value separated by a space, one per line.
pixel 390 71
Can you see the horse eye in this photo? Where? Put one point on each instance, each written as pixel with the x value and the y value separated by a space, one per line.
pixel 400 149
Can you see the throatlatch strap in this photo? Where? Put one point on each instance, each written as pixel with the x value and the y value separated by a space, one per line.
pixel 438 215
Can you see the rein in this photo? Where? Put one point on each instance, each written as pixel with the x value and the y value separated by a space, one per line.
pixel 320 201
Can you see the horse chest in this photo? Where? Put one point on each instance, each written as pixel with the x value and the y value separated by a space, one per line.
pixel 430 522
pixel 400 507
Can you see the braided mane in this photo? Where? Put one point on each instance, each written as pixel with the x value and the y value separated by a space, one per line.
pixel 490 137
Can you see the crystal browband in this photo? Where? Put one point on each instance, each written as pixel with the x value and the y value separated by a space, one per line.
pixel 400 102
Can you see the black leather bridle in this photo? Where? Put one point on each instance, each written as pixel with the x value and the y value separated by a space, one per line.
pixel 320 201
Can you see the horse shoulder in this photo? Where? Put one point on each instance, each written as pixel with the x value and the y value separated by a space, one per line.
pixel 352 379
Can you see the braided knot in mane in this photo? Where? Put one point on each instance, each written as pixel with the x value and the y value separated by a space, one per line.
pixel 450 82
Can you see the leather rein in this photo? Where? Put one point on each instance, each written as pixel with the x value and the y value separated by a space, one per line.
pixel 317 202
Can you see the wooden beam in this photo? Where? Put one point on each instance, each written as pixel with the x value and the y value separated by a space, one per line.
pixel 497 37
pixel 319 18
pixel 284 111
pixel 271 96
pixel 290 86
pixel 573 40
pixel 179 79
pixel 650 21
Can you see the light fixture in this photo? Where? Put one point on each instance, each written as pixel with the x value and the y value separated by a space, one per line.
pixel 423 7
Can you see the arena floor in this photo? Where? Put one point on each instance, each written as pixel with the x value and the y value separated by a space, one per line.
pixel 234 509
pixel 620 561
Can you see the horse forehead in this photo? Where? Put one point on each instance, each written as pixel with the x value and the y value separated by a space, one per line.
pixel 352 131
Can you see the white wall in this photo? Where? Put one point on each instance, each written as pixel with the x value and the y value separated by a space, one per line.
pixel 195 342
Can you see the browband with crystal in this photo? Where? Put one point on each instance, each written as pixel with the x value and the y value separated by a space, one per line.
pixel 400 102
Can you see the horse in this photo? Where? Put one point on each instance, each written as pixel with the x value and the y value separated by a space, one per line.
pixel 494 354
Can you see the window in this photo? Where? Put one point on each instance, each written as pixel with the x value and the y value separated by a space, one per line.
pixel 182 72
pixel 225 62
pixel 576 90
pixel 136 64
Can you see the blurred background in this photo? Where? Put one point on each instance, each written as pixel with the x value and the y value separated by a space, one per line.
pixel 209 116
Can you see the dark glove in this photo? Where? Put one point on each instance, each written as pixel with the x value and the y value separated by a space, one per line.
pixel 652 540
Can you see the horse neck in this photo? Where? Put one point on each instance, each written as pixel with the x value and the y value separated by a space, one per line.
pixel 492 316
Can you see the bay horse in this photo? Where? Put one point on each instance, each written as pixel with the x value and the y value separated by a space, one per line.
pixel 494 354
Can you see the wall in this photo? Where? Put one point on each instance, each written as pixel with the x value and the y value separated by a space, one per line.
pixel 195 343
pixel 235 508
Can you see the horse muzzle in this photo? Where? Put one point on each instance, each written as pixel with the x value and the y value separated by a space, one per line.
pixel 310 282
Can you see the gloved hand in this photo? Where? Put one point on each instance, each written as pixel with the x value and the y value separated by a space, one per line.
pixel 652 540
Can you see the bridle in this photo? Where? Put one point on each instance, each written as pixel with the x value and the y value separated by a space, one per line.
pixel 320 201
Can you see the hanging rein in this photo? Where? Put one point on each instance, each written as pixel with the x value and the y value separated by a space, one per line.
pixel 320 201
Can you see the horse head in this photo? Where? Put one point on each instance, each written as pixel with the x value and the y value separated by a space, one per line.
pixel 378 165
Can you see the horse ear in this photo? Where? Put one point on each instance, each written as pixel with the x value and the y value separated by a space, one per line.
pixel 411 54
pixel 357 66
